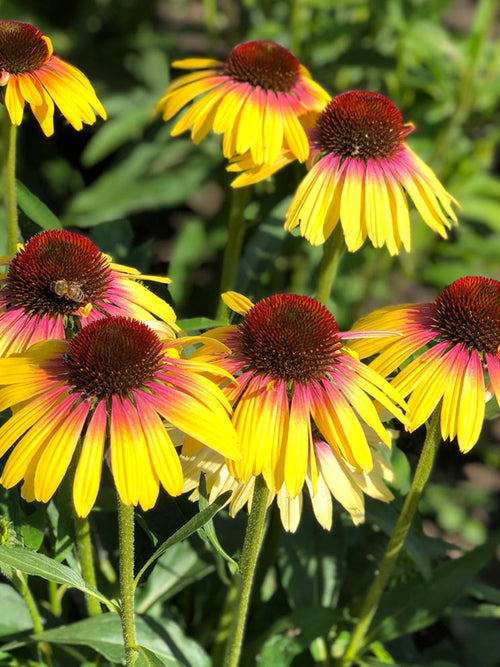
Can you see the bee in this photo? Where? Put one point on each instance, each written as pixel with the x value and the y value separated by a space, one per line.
pixel 71 289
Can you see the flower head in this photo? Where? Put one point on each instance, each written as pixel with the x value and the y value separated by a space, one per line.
pixel 114 377
pixel 450 345
pixel 256 99
pixel 335 478
pixel 295 376
pixel 58 279
pixel 360 169
pixel 30 73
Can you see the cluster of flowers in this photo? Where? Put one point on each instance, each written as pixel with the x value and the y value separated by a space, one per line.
pixel 93 365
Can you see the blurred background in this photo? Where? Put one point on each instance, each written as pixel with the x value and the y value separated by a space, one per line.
pixel 161 204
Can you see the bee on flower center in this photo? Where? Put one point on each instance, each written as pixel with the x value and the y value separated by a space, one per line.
pixel 71 289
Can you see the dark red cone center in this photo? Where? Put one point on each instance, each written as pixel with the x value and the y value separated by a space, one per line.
pixel 468 312
pixel 360 124
pixel 57 272
pixel 113 356
pixel 289 337
pixel 22 48
pixel 263 64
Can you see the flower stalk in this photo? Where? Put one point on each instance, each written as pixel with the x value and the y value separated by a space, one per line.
pixel 84 545
pixel 232 252
pixel 333 249
pixel 126 545
pixel 9 132
pixel 244 579
pixel 372 599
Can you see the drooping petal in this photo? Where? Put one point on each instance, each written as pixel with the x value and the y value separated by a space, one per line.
pixel 88 470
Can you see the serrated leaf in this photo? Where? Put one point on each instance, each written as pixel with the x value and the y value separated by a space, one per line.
pixel 39 565
pixel 35 209
pixel 103 633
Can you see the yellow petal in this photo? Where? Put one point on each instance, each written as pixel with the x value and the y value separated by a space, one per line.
pixel 237 302
pixel 56 456
pixel 88 471
pixel 299 444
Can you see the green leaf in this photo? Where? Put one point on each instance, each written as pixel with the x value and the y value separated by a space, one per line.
pixel 164 642
pixel 415 546
pixel 196 324
pixel 193 525
pixel 178 568
pixel 148 658
pixel 208 530
pixel 117 131
pixel 39 565
pixel 410 607
pixel 261 251
pixel 372 662
pixel 133 185
pixel 34 528
pixel 10 509
pixel 291 635
pixel 18 618
pixel 311 563
pixel 35 209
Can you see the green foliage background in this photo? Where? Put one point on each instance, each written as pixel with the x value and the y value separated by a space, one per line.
pixel 161 205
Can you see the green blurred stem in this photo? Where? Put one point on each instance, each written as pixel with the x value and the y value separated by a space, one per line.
pixel 236 234
pixel 297 25
pixel 9 132
pixel 19 583
pixel 18 580
pixel 372 598
pixel 210 9
pixel 332 252
pixel 244 579
pixel 126 544
pixel 84 544
pixel 484 19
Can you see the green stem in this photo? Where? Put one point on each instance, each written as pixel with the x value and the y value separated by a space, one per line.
pixel 251 549
pixel 297 26
pixel 232 252
pixel 126 543
pixel 9 181
pixel 372 598
pixel 332 252
pixel 210 10
pixel 19 582
pixel 484 19
pixel 84 544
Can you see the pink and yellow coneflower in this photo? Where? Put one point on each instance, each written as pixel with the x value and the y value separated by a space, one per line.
pixel 29 72
pixel 114 377
pixel 336 480
pixel 59 279
pixel 452 349
pixel 295 376
pixel 256 99
pixel 360 170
